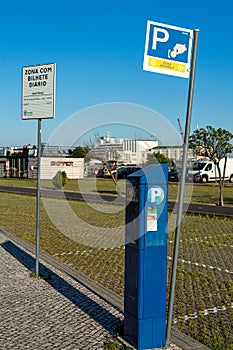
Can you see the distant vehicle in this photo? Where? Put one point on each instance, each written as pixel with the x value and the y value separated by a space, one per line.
pixel 174 175
pixel 107 168
pixel 110 168
pixel 100 173
pixel 204 170
pixel 122 173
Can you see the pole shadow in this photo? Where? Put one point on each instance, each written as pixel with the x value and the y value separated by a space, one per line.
pixel 99 314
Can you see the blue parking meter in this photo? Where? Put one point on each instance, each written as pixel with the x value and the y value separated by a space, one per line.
pixel 146 257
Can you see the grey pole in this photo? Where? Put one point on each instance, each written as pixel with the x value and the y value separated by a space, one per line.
pixel 38 200
pixel 182 185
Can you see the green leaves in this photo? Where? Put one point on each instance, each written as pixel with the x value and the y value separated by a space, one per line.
pixel 59 180
pixel 157 157
pixel 212 143
pixel 80 152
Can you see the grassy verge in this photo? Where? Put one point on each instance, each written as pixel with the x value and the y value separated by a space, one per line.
pixel 200 193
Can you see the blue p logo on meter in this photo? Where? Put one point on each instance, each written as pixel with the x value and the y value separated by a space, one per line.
pixel 168 49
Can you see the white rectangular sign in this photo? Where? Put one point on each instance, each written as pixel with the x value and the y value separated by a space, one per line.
pixel 38 91
pixel 168 49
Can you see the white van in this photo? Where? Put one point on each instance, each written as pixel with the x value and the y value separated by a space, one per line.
pixel 204 170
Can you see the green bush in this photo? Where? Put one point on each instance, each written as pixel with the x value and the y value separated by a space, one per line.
pixel 60 180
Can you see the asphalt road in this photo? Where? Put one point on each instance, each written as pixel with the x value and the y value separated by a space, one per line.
pixel 197 208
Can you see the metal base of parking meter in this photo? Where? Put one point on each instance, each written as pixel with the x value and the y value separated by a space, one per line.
pixel 38 200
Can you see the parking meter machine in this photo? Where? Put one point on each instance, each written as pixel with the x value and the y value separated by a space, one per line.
pixel 146 257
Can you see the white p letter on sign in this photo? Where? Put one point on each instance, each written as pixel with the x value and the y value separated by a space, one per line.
pixel 159 39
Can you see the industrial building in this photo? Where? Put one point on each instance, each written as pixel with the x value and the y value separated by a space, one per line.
pixel 21 162
pixel 123 150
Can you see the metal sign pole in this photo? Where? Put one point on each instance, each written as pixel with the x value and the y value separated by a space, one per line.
pixel 38 199
pixel 38 102
pixel 182 185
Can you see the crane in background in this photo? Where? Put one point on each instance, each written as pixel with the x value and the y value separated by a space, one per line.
pixel 181 130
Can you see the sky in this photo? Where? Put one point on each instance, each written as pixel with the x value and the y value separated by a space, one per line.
pixel 98 48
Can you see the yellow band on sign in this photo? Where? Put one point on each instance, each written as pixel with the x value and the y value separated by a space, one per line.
pixel 164 64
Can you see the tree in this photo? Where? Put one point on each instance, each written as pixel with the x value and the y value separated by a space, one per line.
pixel 157 158
pixel 214 144
pixel 59 180
pixel 80 152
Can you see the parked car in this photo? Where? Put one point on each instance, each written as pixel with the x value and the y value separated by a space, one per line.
pixel 100 173
pixel 204 170
pixel 124 172
pixel 174 175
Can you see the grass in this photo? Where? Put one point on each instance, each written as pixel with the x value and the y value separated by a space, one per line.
pixel 113 344
pixel 200 193
pixel 204 277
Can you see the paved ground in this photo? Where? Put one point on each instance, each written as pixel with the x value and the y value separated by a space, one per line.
pixel 54 312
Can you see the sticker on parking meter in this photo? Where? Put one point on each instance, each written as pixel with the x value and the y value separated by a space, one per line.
pixel 155 195
pixel 151 218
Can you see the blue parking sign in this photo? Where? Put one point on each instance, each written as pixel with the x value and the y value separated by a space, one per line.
pixel 168 49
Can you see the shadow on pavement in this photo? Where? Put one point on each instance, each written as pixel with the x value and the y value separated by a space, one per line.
pixel 105 318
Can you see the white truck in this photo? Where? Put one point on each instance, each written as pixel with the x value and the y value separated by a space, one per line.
pixel 204 170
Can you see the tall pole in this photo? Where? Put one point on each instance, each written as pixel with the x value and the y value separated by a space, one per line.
pixel 38 199
pixel 182 185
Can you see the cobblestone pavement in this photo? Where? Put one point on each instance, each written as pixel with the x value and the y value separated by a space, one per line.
pixel 53 312
pixel 57 313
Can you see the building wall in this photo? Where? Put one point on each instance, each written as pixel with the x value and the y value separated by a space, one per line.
pixel 32 167
pixel 128 151
pixel 74 167
pixel 135 151
pixel 3 163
